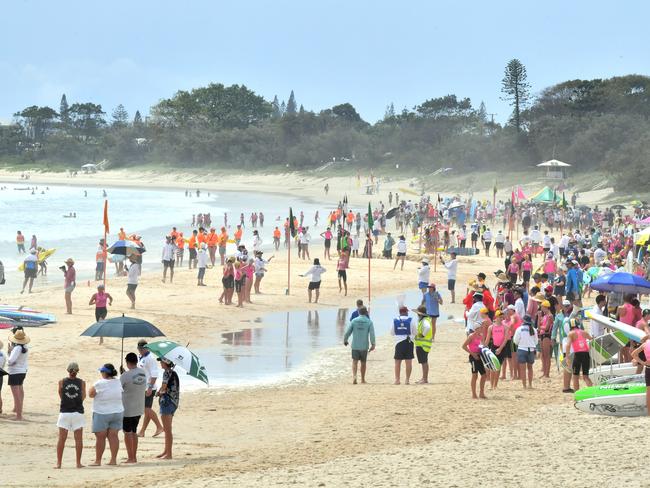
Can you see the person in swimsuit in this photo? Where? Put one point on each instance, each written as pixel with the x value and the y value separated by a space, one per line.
pixel 498 335
pixel 472 346
pixel 578 341
pixel 544 328
pixel 327 239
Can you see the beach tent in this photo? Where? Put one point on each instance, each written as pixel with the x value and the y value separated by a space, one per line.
pixel 546 195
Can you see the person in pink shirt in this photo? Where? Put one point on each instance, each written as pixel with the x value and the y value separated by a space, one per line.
pixel 513 321
pixel 526 269
pixel 249 271
pixel 70 282
pixel 513 271
pixel 341 270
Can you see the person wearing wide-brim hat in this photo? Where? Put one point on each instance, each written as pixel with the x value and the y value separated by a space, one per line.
pixel 17 366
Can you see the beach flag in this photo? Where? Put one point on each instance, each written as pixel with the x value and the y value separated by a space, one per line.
pixel 106 229
pixel 371 221
pixel 292 225
pixel 520 194
pixel 564 202
pixel 494 190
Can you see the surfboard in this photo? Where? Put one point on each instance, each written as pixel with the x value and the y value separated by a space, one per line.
pixel 608 372
pixel 23 315
pixel 489 359
pixel 42 256
pixel 603 348
pixel 621 399
pixel 463 251
pixel 630 332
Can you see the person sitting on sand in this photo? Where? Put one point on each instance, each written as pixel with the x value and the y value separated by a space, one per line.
pixel 107 413
pixel 363 332
pixel 404 333
pixel 472 346
pixel 72 393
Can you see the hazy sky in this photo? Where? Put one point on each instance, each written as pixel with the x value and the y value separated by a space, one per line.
pixel 368 53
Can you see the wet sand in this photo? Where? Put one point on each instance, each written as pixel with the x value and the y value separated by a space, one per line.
pixel 323 431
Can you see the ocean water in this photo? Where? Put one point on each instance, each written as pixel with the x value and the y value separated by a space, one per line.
pixel 290 347
pixel 151 213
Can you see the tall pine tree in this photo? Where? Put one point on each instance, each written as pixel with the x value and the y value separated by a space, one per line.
pixel 283 108
pixel 137 120
pixel 64 112
pixel 120 116
pixel 292 107
pixel 275 108
pixel 516 89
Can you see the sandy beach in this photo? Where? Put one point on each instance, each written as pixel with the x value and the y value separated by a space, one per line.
pixel 323 431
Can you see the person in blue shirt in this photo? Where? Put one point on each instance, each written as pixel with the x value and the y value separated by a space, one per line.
pixel 355 314
pixel 572 289
pixel 432 300
pixel 363 341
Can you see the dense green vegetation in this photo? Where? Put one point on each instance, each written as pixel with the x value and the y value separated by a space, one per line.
pixel 598 125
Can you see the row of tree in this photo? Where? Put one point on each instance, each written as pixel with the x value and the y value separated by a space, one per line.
pixel 594 124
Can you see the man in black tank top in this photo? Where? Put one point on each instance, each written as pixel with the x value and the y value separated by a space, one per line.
pixel 72 391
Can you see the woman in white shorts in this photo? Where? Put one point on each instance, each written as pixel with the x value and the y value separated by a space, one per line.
pixel 72 392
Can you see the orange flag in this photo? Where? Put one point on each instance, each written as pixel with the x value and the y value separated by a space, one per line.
pixel 106 216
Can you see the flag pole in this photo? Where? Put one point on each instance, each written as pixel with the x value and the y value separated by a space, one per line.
pixel 369 256
pixel 289 263
pixel 105 254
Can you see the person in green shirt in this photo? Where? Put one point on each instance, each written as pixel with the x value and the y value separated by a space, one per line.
pixel 363 341
pixel 389 242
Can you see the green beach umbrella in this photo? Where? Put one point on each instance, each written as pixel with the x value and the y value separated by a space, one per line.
pixel 181 356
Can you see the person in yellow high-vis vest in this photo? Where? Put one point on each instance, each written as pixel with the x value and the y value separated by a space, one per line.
pixel 423 339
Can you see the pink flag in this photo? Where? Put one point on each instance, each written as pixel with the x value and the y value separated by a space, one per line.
pixel 520 194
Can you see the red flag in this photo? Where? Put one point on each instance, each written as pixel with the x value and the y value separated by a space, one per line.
pixel 106 217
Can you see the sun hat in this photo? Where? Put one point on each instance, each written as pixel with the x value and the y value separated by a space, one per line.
pixel 502 277
pixel 421 310
pixel 19 337
pixel 484 310
pixel 498 313
pixel 69 261
pixel 425 260
pixel 73 367
pixel 539 297
pixel 546 304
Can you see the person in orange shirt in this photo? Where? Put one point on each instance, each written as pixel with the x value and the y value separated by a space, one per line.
pixel 276 238
pixel 192 244
pixel 121 235
pixel 238 234
pixel 223 241
pixel 212 239
pixel 173 234
pixel 350 220
pixel 180 249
